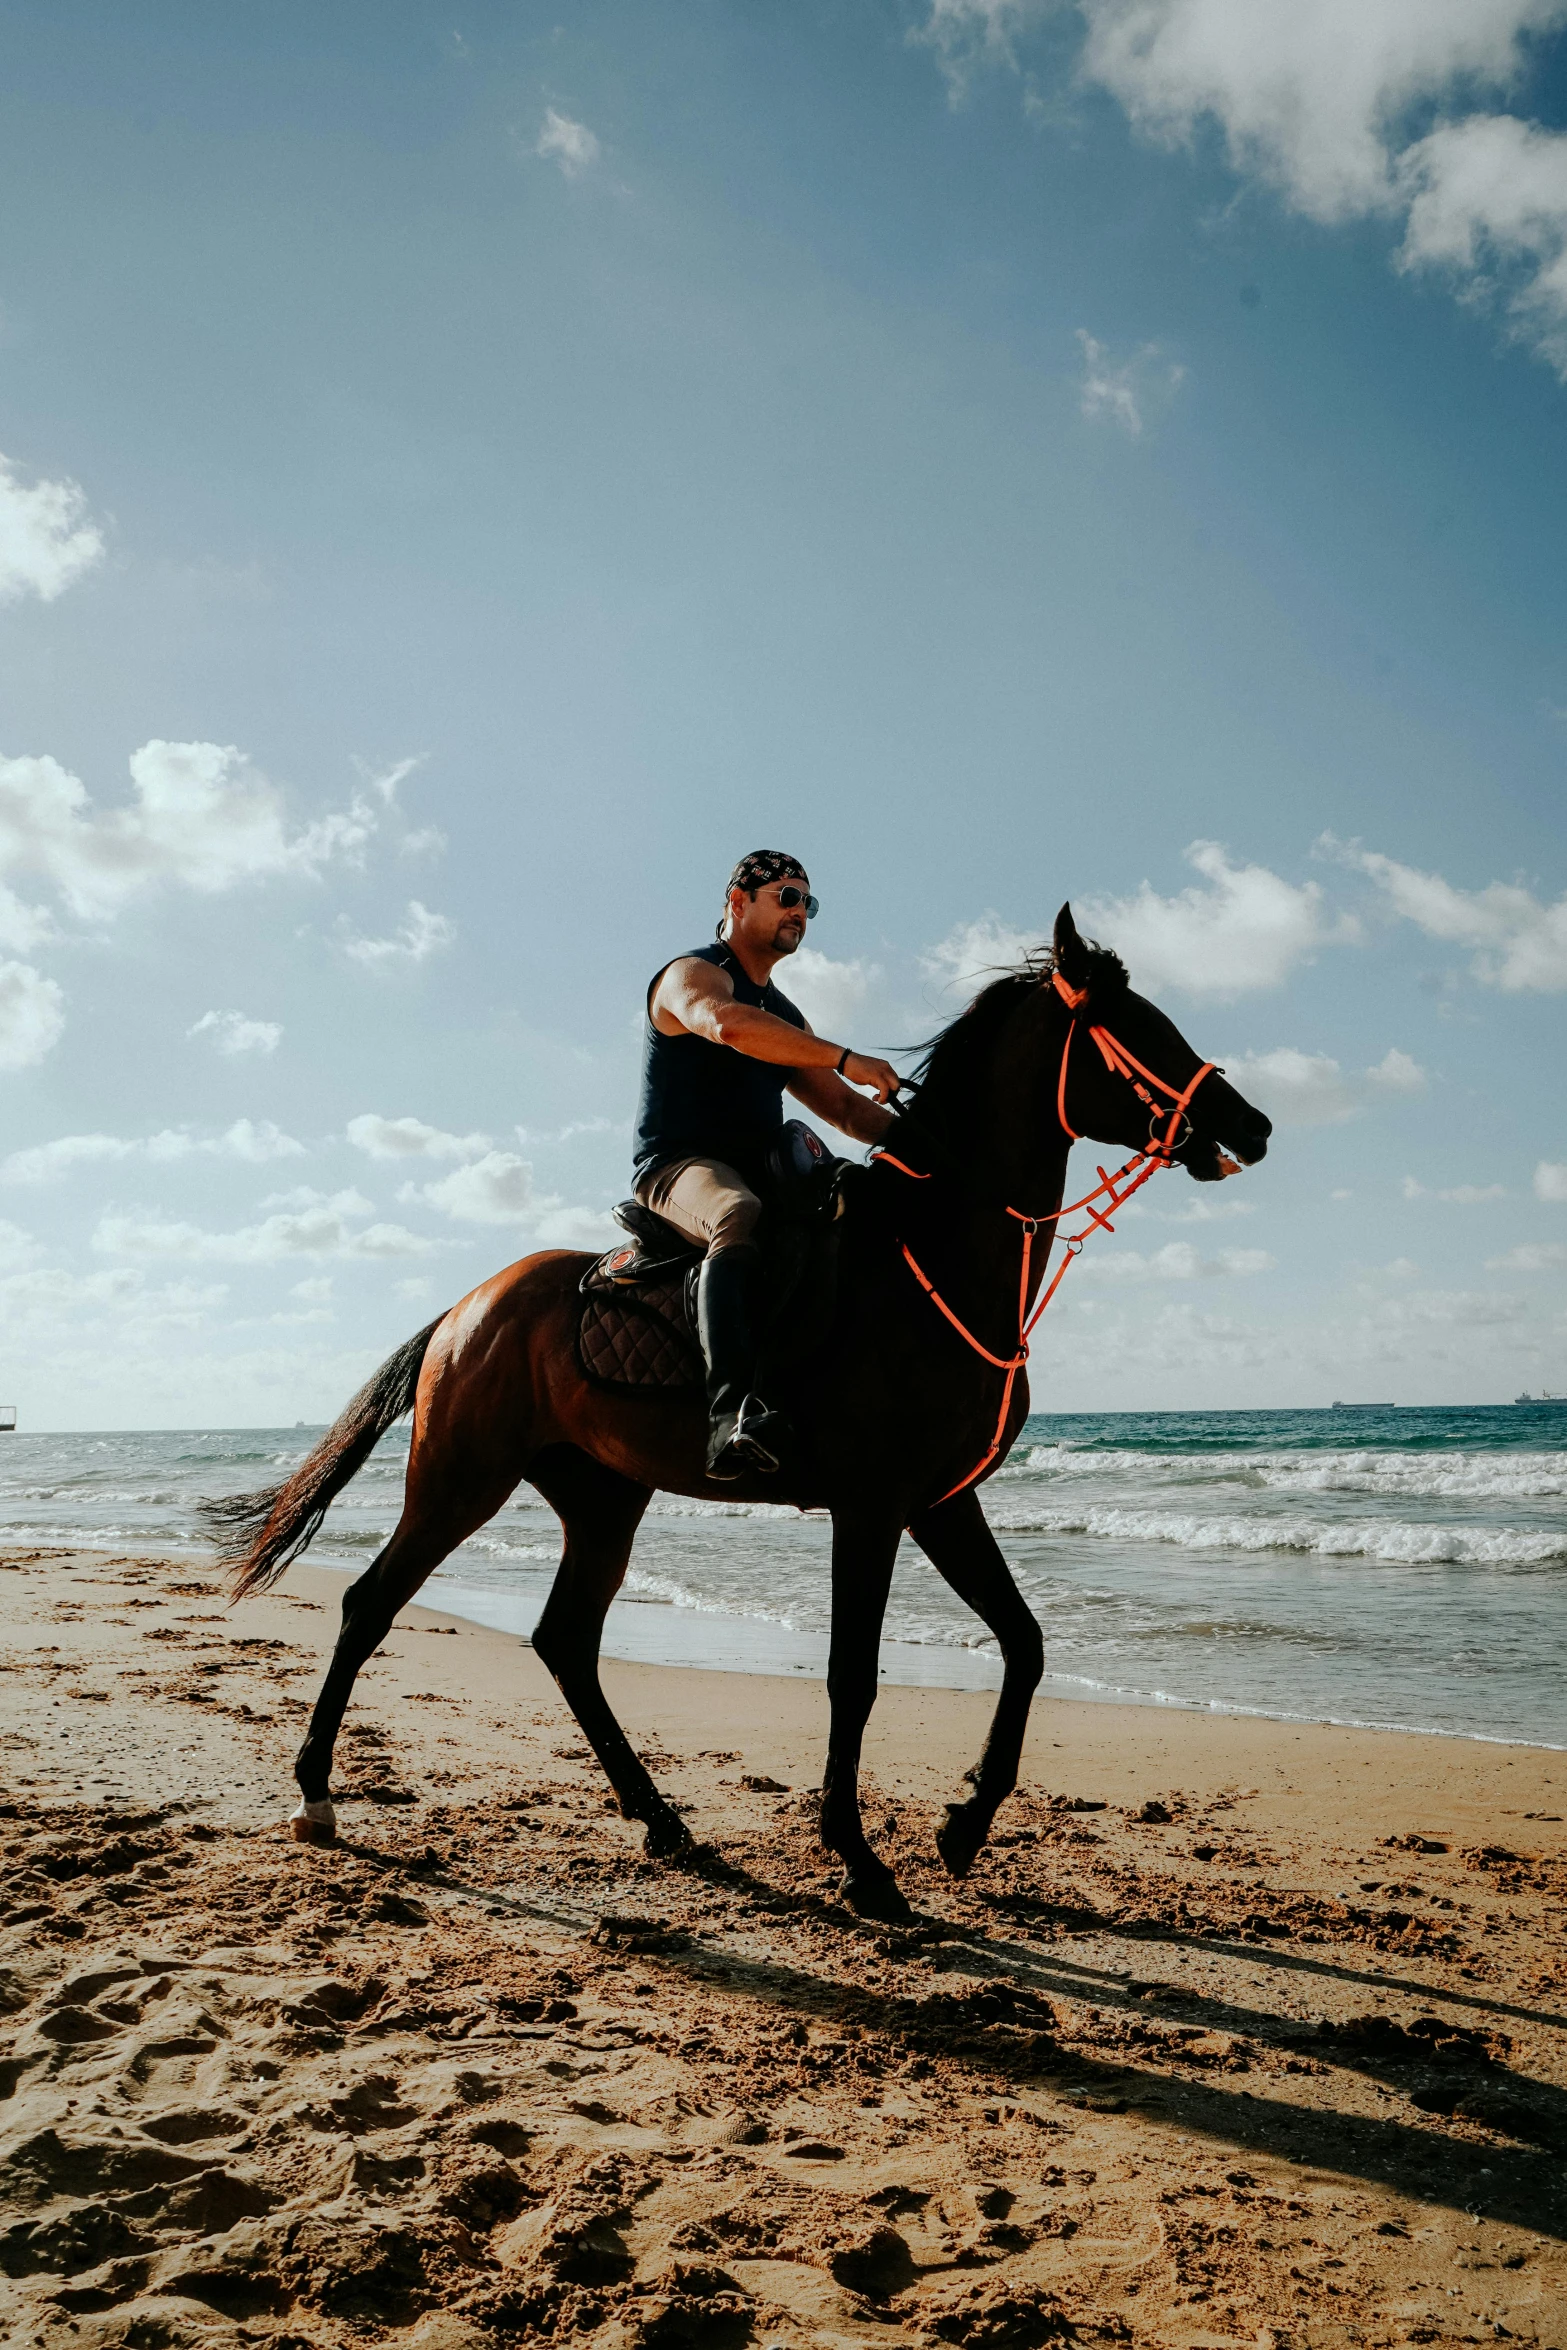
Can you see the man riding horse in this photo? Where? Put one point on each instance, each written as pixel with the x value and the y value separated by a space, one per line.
pixel 913 1400
pixel 721 1044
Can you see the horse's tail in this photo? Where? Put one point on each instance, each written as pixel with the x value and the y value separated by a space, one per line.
pixel 258 1534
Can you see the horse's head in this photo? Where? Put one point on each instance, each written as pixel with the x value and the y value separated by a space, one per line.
pixel 1120 1042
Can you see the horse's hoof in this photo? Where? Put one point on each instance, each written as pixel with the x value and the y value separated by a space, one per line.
pixel 960 1839
pixel 668 1838
pixel 877 1896
pixel 314 1823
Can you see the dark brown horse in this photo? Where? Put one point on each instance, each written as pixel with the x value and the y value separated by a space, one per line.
pixel 894 1410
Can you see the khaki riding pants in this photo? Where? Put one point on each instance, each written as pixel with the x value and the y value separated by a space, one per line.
pixel 704 1199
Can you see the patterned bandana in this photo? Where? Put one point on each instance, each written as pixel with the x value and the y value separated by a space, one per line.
pixel 765 865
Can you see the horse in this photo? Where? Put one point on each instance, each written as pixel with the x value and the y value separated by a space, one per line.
pixel 902 1410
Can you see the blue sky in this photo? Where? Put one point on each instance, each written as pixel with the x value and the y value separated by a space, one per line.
pixel 472 473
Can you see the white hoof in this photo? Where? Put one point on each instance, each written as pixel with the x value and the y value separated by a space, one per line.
pixel 315 1823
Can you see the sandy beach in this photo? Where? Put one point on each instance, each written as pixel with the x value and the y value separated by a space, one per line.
pixel 1242 2032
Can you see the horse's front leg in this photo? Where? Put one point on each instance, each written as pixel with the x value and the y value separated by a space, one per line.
pixel 864 1547
pixel 962 1549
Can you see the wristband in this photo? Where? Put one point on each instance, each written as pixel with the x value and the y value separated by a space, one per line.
pixel 842 1057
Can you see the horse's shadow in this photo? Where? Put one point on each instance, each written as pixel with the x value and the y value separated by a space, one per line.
pixel 1519 2185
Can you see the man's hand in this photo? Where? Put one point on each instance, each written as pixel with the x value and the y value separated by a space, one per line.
pixel 877 1077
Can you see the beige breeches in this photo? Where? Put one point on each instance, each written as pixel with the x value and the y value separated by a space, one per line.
pixel 705 1200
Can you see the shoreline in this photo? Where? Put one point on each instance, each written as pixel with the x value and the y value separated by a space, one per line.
pixel 1122 1736
pixel 713 1640
pixel 909 1669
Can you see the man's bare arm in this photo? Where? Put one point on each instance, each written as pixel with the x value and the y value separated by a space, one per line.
pixel 698 999
pixel 855 1114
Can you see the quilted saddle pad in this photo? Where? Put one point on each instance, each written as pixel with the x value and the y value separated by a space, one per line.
pixel 640 1337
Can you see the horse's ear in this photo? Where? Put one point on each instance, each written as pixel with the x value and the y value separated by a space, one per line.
pixel 1070 953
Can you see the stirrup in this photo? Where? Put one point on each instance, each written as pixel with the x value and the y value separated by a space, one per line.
pixel 747 1443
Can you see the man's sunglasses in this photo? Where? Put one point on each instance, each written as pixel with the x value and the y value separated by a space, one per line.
pixel 790 896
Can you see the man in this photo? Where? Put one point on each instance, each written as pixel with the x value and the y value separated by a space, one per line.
pixel 720 1046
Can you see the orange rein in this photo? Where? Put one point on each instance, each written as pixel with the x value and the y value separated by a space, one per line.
pixel 1147 1162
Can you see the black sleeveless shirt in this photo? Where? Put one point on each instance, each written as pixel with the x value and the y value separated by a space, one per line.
pixel 702 1100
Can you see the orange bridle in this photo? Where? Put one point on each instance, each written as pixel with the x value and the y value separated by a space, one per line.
pixel 1160 1152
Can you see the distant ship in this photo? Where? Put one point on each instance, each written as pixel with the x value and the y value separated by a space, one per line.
pixel 1336 1406
pixel 1544 1396
pixel 7 1419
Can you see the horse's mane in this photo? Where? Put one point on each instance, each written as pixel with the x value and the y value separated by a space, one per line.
pixel 947 1072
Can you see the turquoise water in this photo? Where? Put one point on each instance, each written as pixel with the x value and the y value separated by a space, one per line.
pixel 1405 1568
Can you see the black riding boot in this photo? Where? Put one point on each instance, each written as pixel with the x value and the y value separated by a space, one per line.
pixel 744 1437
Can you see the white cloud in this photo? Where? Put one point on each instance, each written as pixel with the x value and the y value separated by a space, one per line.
pixel 1397 1072
pixel 1550 1180
pixel 38 1304
pixel 1533 1256
pixel 570 144
pixel 16 1246
pixel 1201 1210
pixel 969 33
pixel 254 1142
pixel 422 933
pixel 201 816
pixel 23 927
pixel 975 952
pixel 46 1162
pixel 1323 103
pixel 305 1195
pixel 559 1226
pixel 319 1230
pixel 1474 1308
pixel 528 1135
pixel 832 995
pixel 232 1033
pixel 1310 1089
pixel 1127 393
pixel 1247 930
pixel 410 1138
pixel 32 1014
pixel 385 780
pixel 1490 209
pixel 1178 1260
pixel 497 1189
pixel 46 540
pixel 1241 1261
pixel 1461 1195
pixel 312 1308
pixel 1310 99
pixel 1520 944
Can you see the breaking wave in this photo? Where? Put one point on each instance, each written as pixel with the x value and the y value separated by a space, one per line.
pixel 1516 1476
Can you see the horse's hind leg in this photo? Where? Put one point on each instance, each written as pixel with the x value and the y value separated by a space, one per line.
pixel 962 1549
pixel 600 1512
pixel 371 1604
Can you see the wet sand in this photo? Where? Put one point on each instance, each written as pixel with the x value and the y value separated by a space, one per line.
pixel 1241 2032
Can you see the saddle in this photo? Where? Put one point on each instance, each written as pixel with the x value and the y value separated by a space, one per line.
pixel 638 1323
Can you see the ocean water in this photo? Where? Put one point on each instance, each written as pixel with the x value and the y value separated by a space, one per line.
pixel 1401 1568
